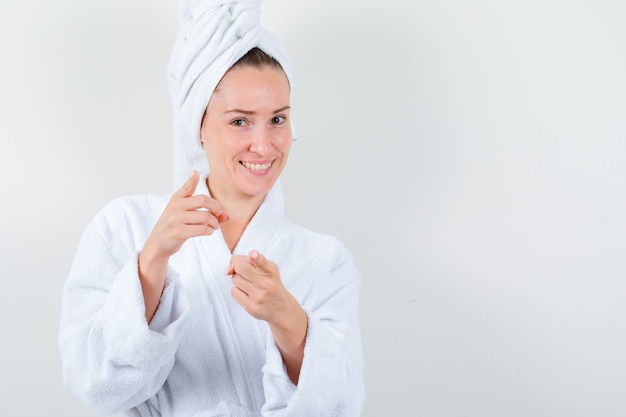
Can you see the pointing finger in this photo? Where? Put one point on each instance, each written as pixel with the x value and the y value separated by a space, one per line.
pixel 189 186
pixel 259 261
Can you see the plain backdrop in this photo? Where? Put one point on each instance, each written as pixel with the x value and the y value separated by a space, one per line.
pixel 471 154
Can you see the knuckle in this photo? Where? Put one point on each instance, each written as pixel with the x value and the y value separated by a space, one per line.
pixel 209 218
pixel 205 200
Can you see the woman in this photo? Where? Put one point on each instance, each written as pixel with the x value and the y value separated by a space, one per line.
pixel 210 302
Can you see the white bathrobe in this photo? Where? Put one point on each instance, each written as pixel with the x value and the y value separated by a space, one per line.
pixel 203 354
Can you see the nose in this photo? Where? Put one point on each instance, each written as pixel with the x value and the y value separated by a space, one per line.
pixel 261 142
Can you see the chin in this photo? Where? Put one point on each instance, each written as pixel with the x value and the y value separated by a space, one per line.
pixel 257 190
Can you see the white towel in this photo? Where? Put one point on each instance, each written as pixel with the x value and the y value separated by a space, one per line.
pixel 212 36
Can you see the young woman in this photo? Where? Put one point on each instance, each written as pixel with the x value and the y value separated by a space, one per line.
pixel 210 302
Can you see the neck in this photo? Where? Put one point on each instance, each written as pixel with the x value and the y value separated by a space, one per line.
pixel 240 210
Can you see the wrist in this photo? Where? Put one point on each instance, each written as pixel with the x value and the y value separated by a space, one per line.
pixel 289 328
pixel 152 268
pixel 152 271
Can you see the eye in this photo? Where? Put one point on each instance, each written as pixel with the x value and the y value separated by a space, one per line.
pixel 239 123
pixel 278 120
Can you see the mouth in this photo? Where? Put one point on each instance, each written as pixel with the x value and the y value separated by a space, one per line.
pixel 257 167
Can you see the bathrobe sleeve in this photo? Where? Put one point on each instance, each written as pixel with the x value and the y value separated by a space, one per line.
pixel 112 359
pixel 331 377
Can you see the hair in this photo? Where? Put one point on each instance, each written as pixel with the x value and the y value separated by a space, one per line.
pixel 256 58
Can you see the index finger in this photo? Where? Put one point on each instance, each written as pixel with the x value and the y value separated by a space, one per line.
pixel 189 186
pixel 259 261
pixel 204 202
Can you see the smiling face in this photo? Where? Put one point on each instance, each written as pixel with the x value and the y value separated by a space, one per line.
pixel 246 132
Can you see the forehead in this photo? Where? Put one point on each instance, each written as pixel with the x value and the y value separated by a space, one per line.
pixel 242 79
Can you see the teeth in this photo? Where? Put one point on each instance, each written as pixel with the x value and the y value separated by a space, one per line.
pixel 257 167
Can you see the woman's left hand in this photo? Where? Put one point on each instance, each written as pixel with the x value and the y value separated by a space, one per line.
pixel 257 286
pixel 260 291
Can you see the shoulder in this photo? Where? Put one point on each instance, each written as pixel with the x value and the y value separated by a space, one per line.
pixel 315 267
pixel 140 205
pixel 323 250
pixel 318 242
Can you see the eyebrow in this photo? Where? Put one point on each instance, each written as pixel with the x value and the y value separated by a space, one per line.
pixel 249 112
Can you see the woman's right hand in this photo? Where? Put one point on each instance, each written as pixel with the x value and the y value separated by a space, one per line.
pixel 185 216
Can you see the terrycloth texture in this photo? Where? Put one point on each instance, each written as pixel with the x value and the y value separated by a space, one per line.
pixel 203 355
pixel 212 36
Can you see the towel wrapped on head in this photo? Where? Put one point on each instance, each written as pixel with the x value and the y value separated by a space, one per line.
pixel 212 36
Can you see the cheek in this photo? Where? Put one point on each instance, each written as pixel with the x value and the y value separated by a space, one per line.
pixel 283 142
pixel 283 147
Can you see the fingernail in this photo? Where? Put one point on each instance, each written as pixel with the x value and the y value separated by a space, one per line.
pixel 254 254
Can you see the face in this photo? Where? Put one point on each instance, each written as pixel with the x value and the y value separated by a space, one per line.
pixel 246 132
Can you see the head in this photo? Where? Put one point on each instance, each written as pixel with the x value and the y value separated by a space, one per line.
pixel 246 129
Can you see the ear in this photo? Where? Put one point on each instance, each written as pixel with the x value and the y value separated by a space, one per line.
pixel 202 129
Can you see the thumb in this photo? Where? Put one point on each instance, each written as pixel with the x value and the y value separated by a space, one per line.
pixel 223 217
pixel 189 186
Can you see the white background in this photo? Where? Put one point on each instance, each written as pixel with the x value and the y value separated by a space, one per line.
pixel 471 155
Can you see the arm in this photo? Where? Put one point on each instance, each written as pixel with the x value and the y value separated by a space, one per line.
pixel 112 360
pixel 314 361
pixel 185 216
pixel 259 290
pixel 289 331
pixel 123 312
pixel 331 376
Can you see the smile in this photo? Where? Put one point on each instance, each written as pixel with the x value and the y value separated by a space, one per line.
pixel 256 167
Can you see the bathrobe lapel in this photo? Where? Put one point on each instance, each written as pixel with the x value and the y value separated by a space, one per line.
pixel 245 334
